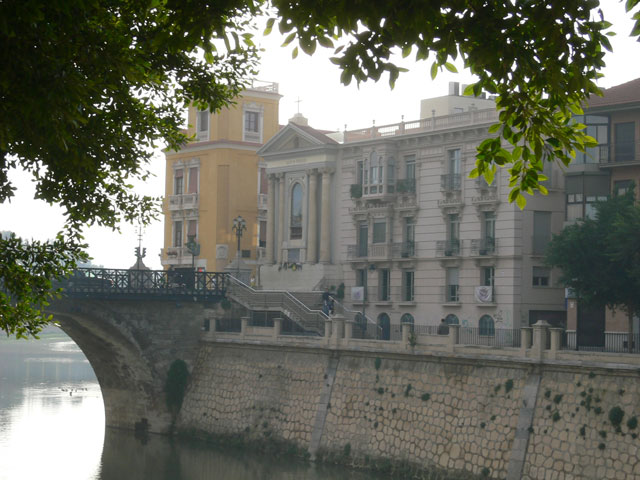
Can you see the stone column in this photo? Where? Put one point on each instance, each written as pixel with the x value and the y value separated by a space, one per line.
pixel 325 216
pixel 525 340
pixel 312 230
pixel 281 219
pixel 539 338
pixel 454 336
pixel 271 218
pixel 348 330
pixel 406 330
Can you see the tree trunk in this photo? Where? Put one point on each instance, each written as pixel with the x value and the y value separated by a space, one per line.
pixel 630 330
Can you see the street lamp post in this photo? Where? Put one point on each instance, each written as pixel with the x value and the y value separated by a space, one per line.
pixel 239 226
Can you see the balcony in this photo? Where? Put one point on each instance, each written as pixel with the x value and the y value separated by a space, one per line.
pixel 406 186
pixel 483 246
pixel 481 184
pixel 404 250
pixel 375 251
pixel 183 202
pixel 448 248
pixel 176 256
pixel 451 182
pixel 619 154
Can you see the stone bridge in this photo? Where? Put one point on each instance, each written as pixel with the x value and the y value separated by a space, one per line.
pixel 132 325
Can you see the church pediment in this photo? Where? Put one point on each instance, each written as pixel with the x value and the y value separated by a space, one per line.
pixel 293 138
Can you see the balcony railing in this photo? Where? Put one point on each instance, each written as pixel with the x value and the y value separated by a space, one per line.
pixel 450 182
pixel 374 251
pixel 474 117
pixel 181 202
pixel 407 185
pixel 482 184
pixel 448 248
pixel 484 246
pixel 404 250
pixel 620 152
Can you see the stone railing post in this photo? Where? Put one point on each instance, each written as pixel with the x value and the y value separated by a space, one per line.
pixel 556 338
pixel 244 326
pixel 327 330
pixel 454 336
pixel 348 330
pixel 539 338
pixel 277 328
pixel 337 329
pixel 525 340
pixel 406 331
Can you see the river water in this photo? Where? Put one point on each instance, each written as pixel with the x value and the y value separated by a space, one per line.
pixel 52 427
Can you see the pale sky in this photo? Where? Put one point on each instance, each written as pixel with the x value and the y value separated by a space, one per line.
pixel 324 101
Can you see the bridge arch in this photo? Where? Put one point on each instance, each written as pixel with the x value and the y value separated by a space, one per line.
pixel 130 345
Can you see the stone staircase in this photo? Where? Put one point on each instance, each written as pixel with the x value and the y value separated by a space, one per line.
pixel 289 305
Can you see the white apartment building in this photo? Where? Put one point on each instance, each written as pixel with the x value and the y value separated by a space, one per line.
pixel 406 228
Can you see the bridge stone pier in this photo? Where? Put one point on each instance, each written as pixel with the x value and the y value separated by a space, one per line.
pixel 130 345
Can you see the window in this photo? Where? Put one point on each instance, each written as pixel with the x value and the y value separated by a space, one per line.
pixel 410 167
pixel 202 125
pixel 620 187
pixel 252 131
pixel 263 186
pixel 384 322
pixel 177 234
pixel 487 326
pixel 262 234
pixel 583 191
pixel 391 174
pixel 379 232
pixel 246 253
pixel 360 172
pixel 407 286
pixel 178 181
pixel 454 162
pixel 452 319
pixel 598 128
pixel 590 204
pixel 452 293
pixel 363 239
pixel 453 234
pixel 192 229
pixel 296 212
pixel 408 247
pixel 407 318
pixel 487 276
pixel 624 142
pixel 541 231
pixel 489 233
pixel 376 171
pixel 541 277
pixel 383 284
pixel 193 180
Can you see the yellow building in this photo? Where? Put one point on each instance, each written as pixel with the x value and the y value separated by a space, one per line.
pixel 217 177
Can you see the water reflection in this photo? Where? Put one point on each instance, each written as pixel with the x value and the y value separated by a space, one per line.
pixel 52 427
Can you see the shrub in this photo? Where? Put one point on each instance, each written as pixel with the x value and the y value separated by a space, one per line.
pixel 508 385
pixel 425 397
pixel 377 363
pixel 557 399
pixel 176 385
pixel 632 423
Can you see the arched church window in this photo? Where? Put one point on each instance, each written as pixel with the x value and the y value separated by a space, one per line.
pixel 296 212
pixel 487 326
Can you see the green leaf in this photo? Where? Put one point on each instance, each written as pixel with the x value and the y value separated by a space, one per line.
pixel 434 70
pixel 469 89
pixel 521 201
pixel 269 26
pixel 294 52
pixel 495 127
pixel 289 39
pixel 451 67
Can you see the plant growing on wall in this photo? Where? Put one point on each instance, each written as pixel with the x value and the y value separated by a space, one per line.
pixel 176 385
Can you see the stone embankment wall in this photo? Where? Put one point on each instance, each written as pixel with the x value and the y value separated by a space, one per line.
pixel 466 416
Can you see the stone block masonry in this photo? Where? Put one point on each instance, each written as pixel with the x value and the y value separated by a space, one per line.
pixel 493 417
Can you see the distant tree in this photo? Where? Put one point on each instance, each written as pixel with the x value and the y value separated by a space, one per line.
pixel 600 257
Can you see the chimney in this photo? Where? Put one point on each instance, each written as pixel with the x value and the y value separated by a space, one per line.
pixel 454 89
